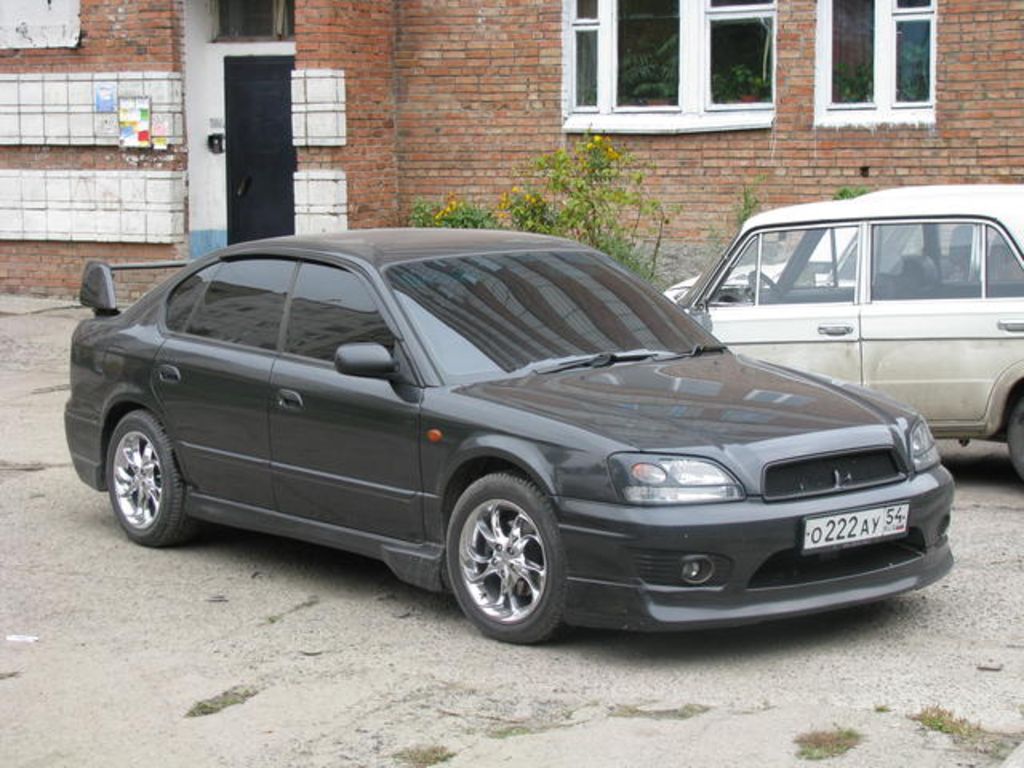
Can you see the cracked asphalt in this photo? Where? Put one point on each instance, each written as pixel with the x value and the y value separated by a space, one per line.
pixel 350 667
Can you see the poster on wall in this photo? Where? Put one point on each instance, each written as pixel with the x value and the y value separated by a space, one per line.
pixel 105 96
pixel 133 116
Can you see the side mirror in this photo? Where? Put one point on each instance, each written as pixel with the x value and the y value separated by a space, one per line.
pixel 97 289
pixel 365 359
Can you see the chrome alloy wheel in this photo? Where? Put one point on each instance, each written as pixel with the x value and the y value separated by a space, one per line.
pixel 504 567
pixel 138 481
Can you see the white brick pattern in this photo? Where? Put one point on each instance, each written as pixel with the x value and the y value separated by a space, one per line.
pixel 105 206
pixel 318 107
pixel 321 202
pixel 56 108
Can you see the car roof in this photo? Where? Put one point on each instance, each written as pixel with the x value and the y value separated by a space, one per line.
pixel 1004 202
pixel 380 247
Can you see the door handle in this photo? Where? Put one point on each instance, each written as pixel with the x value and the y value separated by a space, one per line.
pixel 168 374
pixel 1012 326
pixel 243 186
pixel 835 330
pixel 289 399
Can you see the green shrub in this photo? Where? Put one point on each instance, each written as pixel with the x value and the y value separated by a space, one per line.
pixel 454 213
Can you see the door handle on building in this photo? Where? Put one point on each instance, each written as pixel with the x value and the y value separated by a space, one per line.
pixel 835 330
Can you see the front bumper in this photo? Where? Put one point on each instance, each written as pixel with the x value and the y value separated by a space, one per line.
pixel 625 561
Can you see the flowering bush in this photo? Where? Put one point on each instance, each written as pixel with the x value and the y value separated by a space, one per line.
pixel 592 193
pixel 454 214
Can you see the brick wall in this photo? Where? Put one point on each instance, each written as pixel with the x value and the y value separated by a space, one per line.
pixel 480 87
pixel 356 36
pixel 116 36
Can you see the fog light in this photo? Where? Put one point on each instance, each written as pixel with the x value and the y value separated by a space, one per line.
pixel 697 569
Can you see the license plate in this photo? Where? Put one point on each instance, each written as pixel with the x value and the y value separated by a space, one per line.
pixel 847 528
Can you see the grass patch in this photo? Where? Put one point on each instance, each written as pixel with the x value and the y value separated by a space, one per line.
pixel 510 731
pixel 232 696
pixel 684 712
pixel 882 708
pixel 821 745
pixel 965 733
pixel 422 757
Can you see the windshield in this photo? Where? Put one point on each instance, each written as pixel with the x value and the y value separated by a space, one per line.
pixel 499 313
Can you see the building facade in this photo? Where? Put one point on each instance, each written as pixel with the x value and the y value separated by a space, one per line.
pixel 164 128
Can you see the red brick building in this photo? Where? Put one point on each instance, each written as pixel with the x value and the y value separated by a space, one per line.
pixel 164 128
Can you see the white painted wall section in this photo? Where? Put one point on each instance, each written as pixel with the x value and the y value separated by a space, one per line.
pixel 103 206
pixel 318 108
pixel 39 23
pixel 321 202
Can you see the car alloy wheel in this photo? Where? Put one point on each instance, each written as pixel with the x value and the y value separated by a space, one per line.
pixel 138 480
pixel 503 563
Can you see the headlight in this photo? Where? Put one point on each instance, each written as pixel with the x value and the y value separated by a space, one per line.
pixel 923 451
pixel 655 479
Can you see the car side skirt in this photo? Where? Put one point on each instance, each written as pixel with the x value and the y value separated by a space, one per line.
pixel 418 564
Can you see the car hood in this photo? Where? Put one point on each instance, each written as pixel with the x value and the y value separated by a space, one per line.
pixel 716 400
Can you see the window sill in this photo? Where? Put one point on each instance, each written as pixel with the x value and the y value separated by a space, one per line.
pixel 674 122
pixel 875 118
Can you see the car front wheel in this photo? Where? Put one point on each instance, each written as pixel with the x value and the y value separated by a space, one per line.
pixel 505 559
pixel 1015 437
pixel 144 484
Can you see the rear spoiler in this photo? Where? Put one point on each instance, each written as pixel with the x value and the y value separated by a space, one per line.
pixel 97 291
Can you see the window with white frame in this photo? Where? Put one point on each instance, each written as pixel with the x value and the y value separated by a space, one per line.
pixel 669 65
pixel 876 62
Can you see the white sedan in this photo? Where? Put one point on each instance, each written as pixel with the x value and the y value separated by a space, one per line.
pixel 917 292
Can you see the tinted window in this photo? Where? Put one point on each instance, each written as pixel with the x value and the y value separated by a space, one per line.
pixel 184 297
pixel 925 261
pixel 330 307
pixel 503 312
pixel 245 302
pixel 1005 275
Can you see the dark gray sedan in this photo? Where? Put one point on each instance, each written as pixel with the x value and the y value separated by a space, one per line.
pixel 509 416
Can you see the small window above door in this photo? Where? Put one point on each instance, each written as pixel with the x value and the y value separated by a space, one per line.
pixel 254 19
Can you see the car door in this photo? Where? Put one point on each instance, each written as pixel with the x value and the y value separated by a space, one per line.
pixel 212 376
pixel 345 449
pixel 932 338
pixel 790 298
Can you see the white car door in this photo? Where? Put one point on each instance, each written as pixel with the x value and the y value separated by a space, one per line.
pixel 931 338
pixel 791 298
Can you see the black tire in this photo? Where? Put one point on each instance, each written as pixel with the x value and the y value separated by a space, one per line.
pixel 160 524
pixel 535 603
pixel 1015 436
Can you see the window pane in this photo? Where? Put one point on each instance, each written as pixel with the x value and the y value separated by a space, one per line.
pixel 924 261
pixel 185 296
pixel 586 9
pixel 256 18
pixel 586 68
pixel 853 51
pixel 244 303
pixel 1005 274
pixel 913 3
pixel 913 60
pixel 331 307
pixel 738 286
pixel 648 52
pixel 727 3
pixel 808 266
pixel 741 61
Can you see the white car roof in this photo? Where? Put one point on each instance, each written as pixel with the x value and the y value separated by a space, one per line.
pixel 1004 202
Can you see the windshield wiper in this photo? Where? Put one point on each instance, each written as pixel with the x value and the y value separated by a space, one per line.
pixel 605 359
pixel 703 349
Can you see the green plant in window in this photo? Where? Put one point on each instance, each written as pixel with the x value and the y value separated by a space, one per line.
pixel 853 84
pixel 740 84
pixel 650 75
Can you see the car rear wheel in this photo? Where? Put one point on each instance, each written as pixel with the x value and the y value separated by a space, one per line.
pixel 1015 436
pixel 505 559
pixel 144 484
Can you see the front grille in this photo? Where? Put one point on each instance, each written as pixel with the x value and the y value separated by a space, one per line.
pixel 837 473
pixel 791 568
